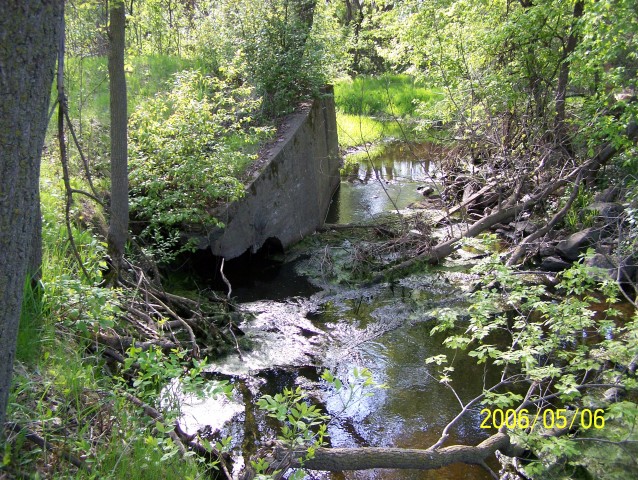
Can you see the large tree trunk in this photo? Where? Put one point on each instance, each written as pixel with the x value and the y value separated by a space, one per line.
pixel 29 40
pixel 118 227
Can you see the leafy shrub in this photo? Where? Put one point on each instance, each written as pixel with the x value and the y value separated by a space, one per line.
pixel 188 148
pixel 285 49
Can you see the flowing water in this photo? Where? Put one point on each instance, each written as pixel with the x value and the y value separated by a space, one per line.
pixel 302 325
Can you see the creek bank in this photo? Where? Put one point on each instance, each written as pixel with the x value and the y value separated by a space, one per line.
pixel 307 316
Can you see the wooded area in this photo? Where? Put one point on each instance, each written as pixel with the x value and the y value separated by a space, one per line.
pixel 162 108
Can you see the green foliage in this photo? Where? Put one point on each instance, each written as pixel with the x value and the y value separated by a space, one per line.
pixel 283 48
pixel 578 216
pixel 297 416
pixel 81 303
pixel 303 425
pixel 605 64
pixel 162 377
pixel 188 148
pixel 352 390
pixel 371 109
pixel 563 345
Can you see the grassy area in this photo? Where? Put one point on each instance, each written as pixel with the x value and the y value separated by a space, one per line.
pixel 384 96
pixel 373 109
pixel 63 389
pixel 88 87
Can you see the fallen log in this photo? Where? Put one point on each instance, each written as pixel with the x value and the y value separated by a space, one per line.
pixel 365 458
pixel 443 249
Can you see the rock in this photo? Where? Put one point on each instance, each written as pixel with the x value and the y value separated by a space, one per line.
pixel 610 194
pixel 608 212
pixel 600 261
pixel 554 264
pixel 575 244
pixel 547 249
pixel 610 264
pixel 614 394
pixel 425 190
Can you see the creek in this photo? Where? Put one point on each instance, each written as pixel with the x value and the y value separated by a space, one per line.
pixel 302 323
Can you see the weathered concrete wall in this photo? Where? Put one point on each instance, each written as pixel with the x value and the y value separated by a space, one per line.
pixel 290 197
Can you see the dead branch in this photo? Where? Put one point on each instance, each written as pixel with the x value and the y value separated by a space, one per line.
pixel 43 443
pixel 158 417
pixel 445 248
pixel 522 247
pixel 464 204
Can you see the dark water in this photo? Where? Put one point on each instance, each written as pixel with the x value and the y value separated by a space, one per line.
pixel 301 327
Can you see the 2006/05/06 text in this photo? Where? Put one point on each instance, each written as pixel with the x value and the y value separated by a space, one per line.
pixel 559 418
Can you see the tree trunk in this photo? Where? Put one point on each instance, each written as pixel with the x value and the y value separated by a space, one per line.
pixel 563 77
pixel 118 227
pixel 29 41
pixel 342 459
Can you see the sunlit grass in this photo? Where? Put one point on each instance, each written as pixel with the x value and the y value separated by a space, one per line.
pixel 374 109
pixel 387 95
pixel 88 87
pixel 358 129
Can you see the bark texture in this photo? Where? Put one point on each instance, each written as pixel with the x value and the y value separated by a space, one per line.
pixel 28 45
pixel 118 227
pixel 341 459
pixel 563 75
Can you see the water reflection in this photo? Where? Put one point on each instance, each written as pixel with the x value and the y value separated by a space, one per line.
pixel 385 183
pixel 415 408
pixel 386 330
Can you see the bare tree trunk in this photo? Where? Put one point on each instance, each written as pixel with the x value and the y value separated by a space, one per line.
pixel 28 35
pixel 118 227
pixel 341 459
pixel 563 76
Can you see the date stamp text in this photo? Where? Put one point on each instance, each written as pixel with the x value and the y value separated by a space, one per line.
pixel 584 418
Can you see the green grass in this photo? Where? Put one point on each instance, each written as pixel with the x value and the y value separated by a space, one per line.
pixel 88 87
pixel 62 390
pixel 374 109
pixel 356 130
pixel 385 96
pixel 31 328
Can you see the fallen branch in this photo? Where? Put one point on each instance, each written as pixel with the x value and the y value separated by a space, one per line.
pixel 470 199
pixel 443 249
pixel 522 247
pixel 158 417
pixel 43 443
pixel 365 458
